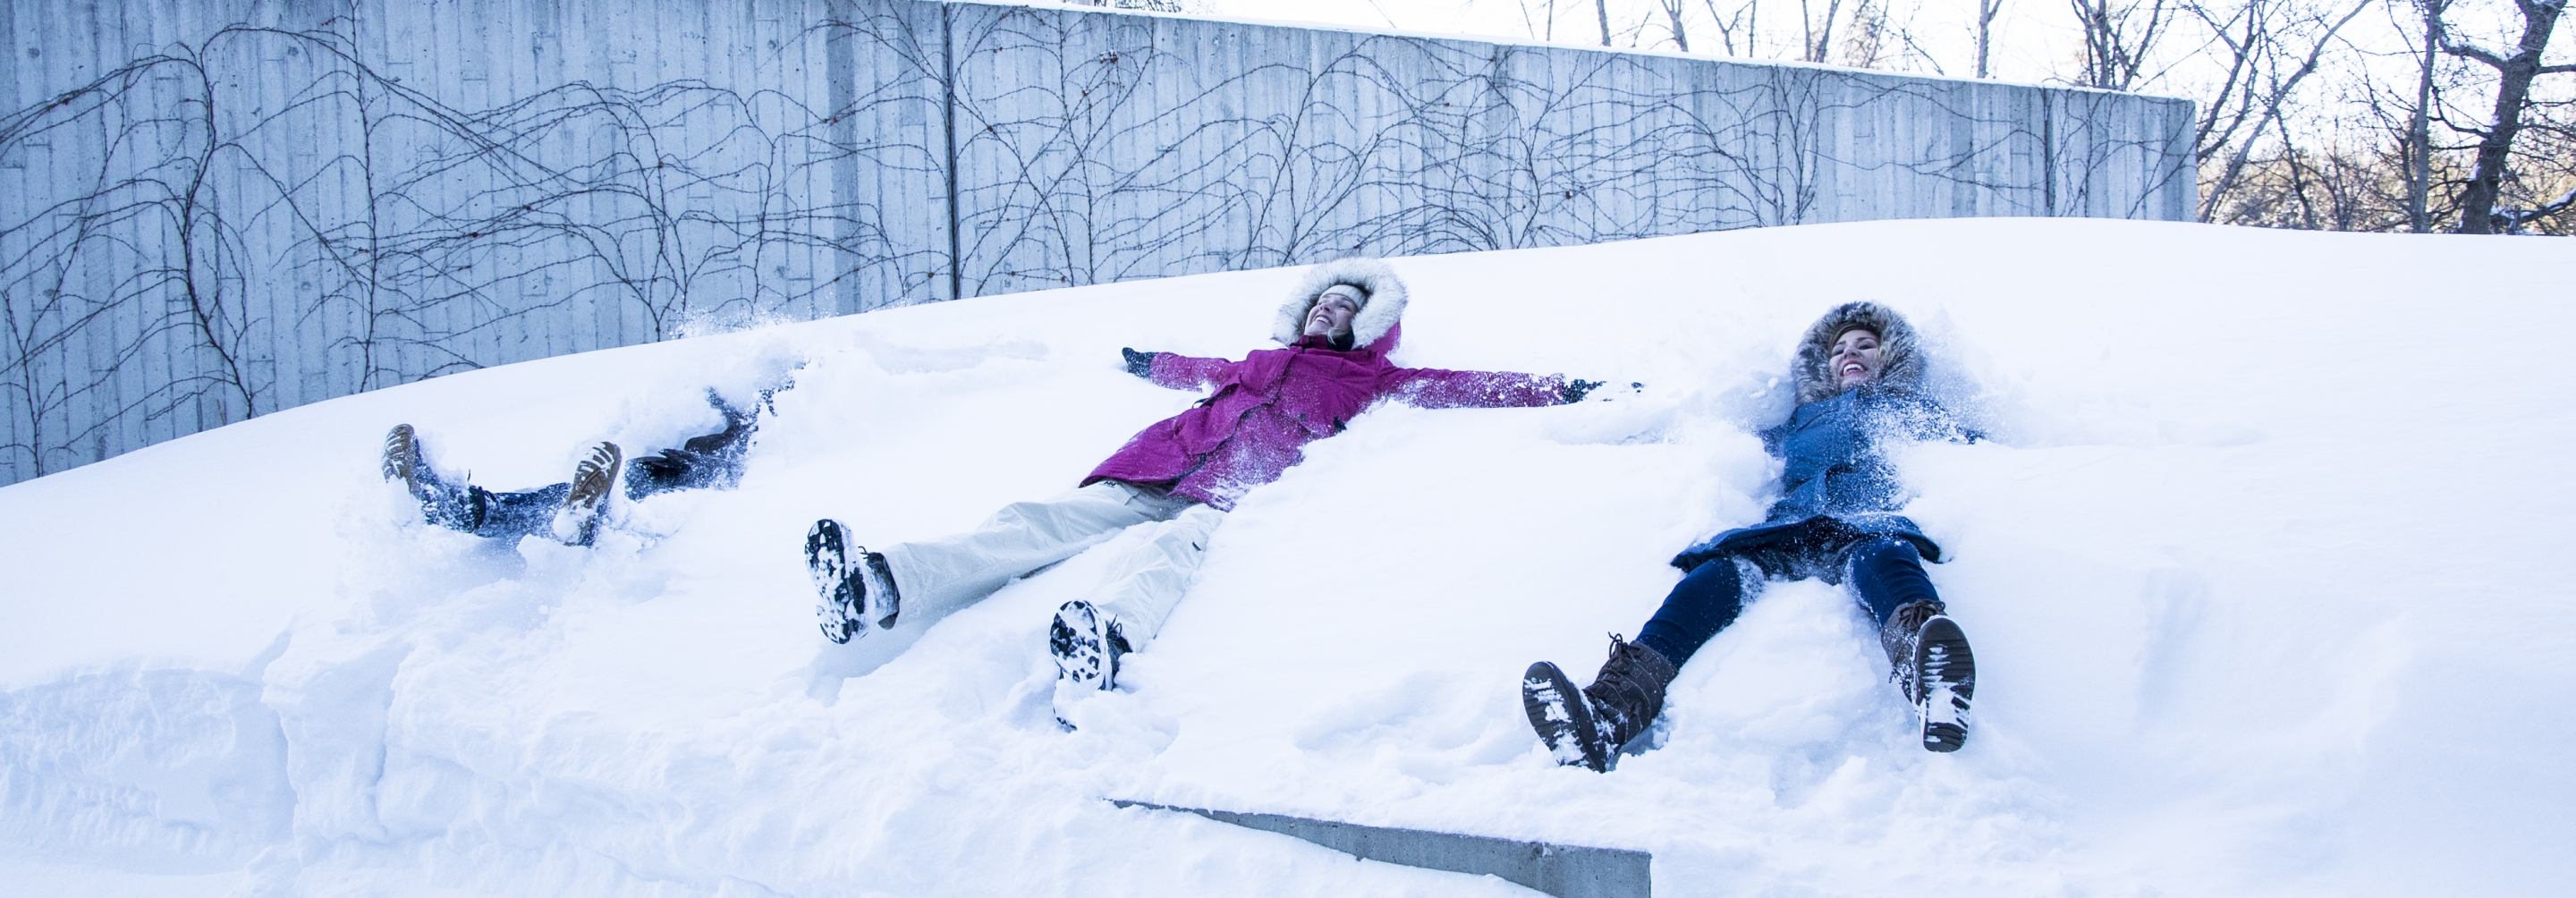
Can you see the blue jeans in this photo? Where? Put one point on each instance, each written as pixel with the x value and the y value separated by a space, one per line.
pixel 483 512
pixel 1884 572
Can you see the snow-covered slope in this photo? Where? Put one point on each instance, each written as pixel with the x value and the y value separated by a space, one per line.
pixel 2263 573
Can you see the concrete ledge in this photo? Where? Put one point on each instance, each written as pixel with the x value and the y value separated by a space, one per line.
pixel 1566 871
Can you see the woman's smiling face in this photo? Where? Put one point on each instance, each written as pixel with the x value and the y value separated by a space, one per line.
pixel 1331 314
pixel 1855 359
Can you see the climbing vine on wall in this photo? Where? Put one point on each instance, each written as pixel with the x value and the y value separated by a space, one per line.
pixel 268 216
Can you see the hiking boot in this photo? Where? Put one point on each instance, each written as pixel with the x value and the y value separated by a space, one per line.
pixel 447 506
pixel 402 460
pixel 856 586
pixel 1588 726
pixel 592 481
pixel 1087 645
pixel 1929 660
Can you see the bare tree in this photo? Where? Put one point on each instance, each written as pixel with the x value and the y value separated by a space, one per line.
pixel 2263 69
pixel 1818 36
pixel 2118 39
pixel 1541 23
pixel 1737 29
pixel 1869 33
pixel 2514 73
pixel 1673 15
pixel 2545 174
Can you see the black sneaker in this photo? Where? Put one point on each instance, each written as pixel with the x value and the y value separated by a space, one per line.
pixel 1087 646
pixel 1945 679
pixel 592 482
pixel 856 586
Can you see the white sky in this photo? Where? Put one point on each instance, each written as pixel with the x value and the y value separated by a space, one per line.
pixel 2036 41
pixel 2033 40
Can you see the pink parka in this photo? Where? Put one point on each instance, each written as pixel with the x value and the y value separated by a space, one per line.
pixel 1266 408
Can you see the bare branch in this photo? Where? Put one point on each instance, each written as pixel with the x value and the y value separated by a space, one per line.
pixel 2472 51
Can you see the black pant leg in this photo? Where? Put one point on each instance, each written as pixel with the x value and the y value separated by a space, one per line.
pixel 512 515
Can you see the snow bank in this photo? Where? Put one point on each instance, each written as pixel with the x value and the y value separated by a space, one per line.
pixel 2257 569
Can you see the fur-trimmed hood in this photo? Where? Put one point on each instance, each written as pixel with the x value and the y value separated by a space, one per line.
pixel 1900 353
pixel 1383 311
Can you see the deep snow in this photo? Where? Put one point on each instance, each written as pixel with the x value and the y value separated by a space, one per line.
pixel 2259 571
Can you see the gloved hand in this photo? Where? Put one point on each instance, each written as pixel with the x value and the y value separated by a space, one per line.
pixel 1575 390
pixel 1140 364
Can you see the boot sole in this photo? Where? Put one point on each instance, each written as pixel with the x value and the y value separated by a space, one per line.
pixel 1946 674
pixel 1084 663
pixel 402 458
pixel 1081 651
pixel 577 522
pixel 1563 720
pixel 827 562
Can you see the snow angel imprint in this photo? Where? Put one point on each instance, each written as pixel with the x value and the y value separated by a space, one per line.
pixel 1859 373
pixel 1180 475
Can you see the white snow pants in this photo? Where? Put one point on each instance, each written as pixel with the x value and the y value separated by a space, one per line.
pixel 950 572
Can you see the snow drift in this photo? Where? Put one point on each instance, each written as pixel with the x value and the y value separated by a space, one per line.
pixel 2259 570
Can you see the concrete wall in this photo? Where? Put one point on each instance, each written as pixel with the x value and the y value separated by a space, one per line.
pixel 210 210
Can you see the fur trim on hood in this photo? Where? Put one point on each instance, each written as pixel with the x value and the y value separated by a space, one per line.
pixel 1384 309
pixel 1900 354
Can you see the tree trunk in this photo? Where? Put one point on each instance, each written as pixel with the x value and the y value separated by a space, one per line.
pixel 1603 7
pixel 1818 39
pixel 2097 43
pixel 2513 90
pixel 1986 10
pixel 2419 133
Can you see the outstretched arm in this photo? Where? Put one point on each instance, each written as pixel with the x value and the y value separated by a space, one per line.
pixel 1934 421
pixel 1436 388
pixel 1174 370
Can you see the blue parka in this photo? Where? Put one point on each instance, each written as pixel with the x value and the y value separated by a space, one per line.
pixel 1837 484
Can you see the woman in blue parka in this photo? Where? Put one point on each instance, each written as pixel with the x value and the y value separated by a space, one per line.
pixel 1859 375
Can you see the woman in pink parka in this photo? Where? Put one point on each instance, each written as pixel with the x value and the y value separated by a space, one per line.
pixel 1179 475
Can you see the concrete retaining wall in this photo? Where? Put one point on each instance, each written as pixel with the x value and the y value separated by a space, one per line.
pixel 210 210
